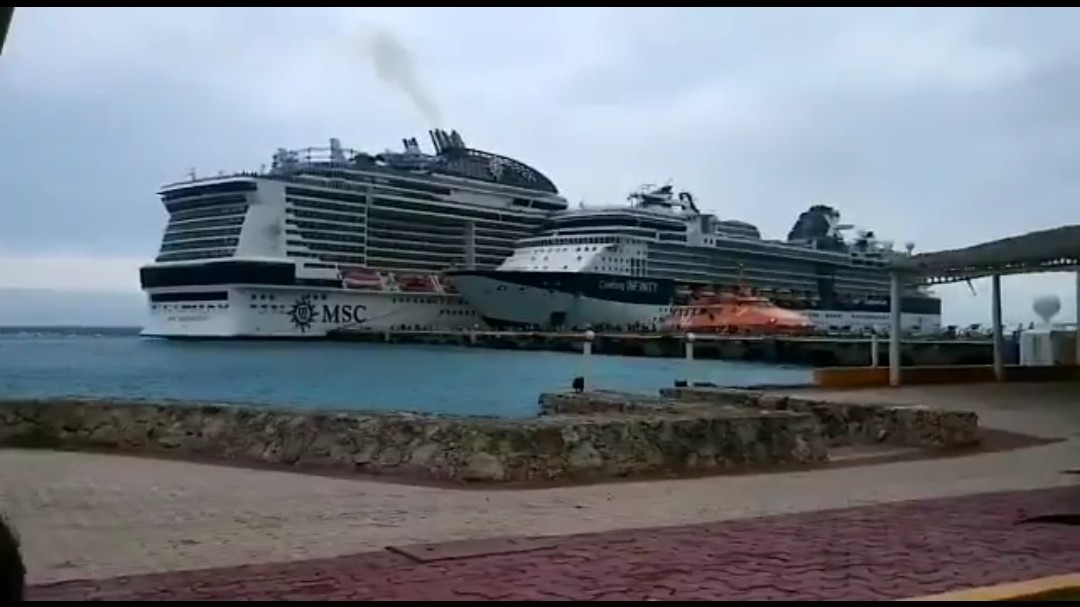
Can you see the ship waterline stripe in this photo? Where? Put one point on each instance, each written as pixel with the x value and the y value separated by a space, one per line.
pixel 656 292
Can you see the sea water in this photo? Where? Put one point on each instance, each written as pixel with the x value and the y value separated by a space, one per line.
pixel 118 363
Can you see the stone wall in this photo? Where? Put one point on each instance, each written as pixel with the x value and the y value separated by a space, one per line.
pixel 556 447
pixel 854 423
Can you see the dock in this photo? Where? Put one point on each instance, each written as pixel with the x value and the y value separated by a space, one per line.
pixel 817 351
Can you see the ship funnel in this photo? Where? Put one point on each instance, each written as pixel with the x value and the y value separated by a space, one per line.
pixel 434 134
pixel 455 138
pixel 335 150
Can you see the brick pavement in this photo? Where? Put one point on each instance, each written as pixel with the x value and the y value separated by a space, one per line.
pixel 92 516
pixel 889 551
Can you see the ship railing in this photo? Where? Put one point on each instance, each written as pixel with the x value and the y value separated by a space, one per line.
pixel 290 176
pixel 618 210
pixel 209 178
pixel 303 157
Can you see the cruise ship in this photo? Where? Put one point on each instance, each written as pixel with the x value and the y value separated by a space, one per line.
pixel 331 238
pixel 628 267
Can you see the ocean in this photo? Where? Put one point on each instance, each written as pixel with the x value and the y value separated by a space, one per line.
pixel 117 363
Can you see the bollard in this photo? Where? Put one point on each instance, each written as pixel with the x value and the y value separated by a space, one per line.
pixel 586 351
pixel 874 351
pixel 690 337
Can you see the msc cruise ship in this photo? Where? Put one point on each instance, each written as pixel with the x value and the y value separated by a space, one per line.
pixel 629 266
pixel 331 238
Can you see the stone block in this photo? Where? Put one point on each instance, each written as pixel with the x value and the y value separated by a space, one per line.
pixel 731 396
pixel 552 447
pixel 853 423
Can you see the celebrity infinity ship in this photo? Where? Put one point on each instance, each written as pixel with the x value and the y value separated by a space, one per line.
pixel 628 267
pixel 331 238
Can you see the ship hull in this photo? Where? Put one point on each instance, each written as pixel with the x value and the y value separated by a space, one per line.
pixel 222 312
pixel 579 300
pixel 565 300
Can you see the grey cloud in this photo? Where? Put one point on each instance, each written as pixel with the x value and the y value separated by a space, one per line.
pixel 44 308
pixel 939 126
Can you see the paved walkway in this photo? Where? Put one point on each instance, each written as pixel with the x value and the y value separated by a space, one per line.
pixel 86 516
pixel 870 553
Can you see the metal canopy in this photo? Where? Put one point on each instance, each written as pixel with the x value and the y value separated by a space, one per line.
pixel 5 21
pixel 1042 251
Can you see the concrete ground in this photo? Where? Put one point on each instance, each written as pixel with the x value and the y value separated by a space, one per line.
pixel 90 516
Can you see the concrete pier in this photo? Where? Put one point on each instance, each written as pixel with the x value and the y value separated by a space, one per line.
pixel 825 351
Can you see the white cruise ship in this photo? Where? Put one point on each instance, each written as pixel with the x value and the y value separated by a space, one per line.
pixel 333 238
pixel 627 267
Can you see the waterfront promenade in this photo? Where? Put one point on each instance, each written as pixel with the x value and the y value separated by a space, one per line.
pixel 99 526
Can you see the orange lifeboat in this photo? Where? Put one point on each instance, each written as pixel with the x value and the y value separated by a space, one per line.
pixel 737 313
pixel 361 278
pixel 416 283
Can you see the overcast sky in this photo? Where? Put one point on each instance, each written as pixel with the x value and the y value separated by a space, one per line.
pixel 942 127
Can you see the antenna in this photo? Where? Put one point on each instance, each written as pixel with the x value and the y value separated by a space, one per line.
pixel 831 221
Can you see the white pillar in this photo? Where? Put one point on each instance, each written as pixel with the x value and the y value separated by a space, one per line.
pixel 874 354
pixel 1078 317
pixel 690 337
pixel 995 321
pixel 895 328
pixel 586 355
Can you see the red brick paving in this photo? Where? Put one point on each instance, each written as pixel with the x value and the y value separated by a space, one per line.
pixel 875 552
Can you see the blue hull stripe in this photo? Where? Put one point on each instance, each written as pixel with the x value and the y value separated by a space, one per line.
pixel 661 292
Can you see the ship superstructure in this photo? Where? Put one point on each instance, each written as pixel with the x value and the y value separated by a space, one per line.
pixel 328 238
pixel 628 266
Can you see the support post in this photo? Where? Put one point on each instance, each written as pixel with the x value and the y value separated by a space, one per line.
pixel 998 331
pixel 895 327
pixel 585 359
pixel 690 337
pixel 1078 317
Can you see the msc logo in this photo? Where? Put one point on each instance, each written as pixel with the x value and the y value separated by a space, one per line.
pixel 304 313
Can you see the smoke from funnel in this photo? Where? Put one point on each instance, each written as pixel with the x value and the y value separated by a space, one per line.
pixel 394 65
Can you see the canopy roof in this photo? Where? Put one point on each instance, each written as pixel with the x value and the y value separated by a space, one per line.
pixel 1041 251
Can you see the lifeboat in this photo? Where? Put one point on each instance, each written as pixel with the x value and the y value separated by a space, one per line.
pixel 737 314
pixel 446 285
pixel 362 279
pixel 416 283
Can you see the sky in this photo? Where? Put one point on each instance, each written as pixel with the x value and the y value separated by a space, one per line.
pixel 939 127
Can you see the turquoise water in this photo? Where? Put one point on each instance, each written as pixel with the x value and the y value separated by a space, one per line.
pixel 437 379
